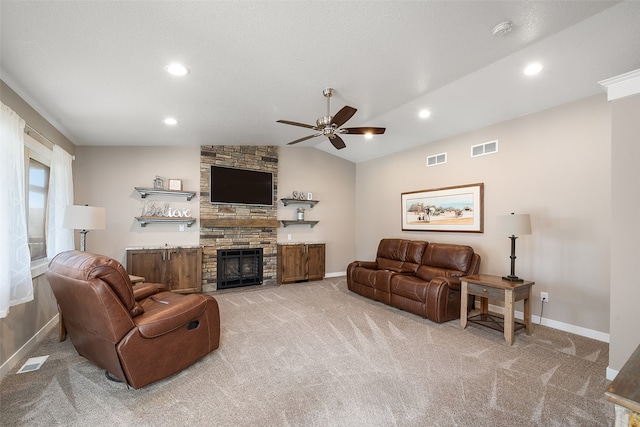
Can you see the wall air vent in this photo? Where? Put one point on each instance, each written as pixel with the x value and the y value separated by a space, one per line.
pixel 438 159
pixel 486 148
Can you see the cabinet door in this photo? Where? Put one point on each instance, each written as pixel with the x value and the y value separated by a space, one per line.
pixel 315 262
pixel 185 269
pixel 148 263
pixel 292 265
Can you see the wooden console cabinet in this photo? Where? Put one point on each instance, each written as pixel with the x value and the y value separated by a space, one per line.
pixel 178 268
pixel 300 262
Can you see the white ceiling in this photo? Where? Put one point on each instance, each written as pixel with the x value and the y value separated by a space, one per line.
pixel 95 69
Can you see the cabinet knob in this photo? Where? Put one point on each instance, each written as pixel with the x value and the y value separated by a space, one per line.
pixel 484 290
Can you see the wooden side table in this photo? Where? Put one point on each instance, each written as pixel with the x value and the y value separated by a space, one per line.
pixel 486 286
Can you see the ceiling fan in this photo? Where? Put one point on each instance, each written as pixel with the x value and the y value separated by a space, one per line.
pixel 329 125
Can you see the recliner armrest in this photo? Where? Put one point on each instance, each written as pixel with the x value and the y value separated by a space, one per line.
pixel 452 282
pixel 366 264
pixel 165 312
pixel 401 270
pixel 145 290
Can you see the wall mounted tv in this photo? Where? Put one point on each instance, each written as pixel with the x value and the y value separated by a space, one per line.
pixel 241 186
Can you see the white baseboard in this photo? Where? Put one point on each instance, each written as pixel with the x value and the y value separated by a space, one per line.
pixel 611 373
pixel 578 330
pixel 338 274
pixel 22 352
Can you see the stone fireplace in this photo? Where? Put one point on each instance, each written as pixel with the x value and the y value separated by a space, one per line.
pixel 235 226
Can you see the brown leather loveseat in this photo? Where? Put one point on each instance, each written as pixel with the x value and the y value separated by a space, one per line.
pixel 420 277
pixel 138 334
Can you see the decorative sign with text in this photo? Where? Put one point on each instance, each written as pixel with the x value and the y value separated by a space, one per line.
pixel 151 209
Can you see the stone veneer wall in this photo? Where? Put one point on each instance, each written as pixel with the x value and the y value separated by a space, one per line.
pixel 263 158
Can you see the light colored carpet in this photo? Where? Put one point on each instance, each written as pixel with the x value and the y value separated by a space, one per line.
pixel 315 354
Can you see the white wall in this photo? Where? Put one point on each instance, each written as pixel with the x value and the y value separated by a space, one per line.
pixel 106 176
pixel 554 165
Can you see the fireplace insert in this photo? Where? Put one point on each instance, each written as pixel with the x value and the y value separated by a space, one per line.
pixel 239 267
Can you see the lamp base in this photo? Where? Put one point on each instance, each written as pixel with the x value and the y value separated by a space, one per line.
pixel 512 278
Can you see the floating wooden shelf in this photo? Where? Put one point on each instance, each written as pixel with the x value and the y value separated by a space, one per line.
pixel 144 220
pixel 311 203
pixel 286 223
pixel 144 192
pixel 239 223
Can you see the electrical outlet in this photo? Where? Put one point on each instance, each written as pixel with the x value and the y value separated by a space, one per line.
pixel 288 236
pixel 544 296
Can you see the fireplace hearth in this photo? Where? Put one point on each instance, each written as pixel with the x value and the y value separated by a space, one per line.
pixel 239 267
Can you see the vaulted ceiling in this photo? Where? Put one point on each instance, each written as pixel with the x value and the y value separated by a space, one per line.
pixel 96 70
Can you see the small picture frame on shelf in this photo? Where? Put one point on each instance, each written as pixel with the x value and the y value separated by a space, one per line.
pixel 309 196
pixel 175 184
pixel 158 184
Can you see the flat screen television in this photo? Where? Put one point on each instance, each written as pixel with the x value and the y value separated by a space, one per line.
pixel 241 186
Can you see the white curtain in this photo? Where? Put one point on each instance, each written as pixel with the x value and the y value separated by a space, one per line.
pixel 59 239
pixel 15 261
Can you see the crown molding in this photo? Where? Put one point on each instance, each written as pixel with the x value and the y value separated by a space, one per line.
pixel 623 85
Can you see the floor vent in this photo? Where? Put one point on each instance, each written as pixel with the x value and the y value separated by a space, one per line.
pixel 32 364
pixel 438 159
pixel 484 149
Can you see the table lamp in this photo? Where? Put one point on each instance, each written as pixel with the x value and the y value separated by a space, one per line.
pixel 514 225
pixel 84 218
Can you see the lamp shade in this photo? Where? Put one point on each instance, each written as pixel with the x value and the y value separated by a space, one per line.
pixel 84 217
pixel 514 224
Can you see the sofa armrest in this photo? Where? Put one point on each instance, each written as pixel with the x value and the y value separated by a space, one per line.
pixel 366 264
pixel 145 290
pixel 443 299
pixel 454 282
pixel 166 311
pixel 401 270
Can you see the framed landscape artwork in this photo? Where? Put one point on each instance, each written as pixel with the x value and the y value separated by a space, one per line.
pixel 450 209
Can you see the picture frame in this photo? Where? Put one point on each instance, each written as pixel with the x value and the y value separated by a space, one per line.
pixel 175 184
pixel 158 184
pixel 451 209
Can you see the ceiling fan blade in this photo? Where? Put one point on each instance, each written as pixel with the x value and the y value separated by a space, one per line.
pixel 343 115
pixel 303 139
pixel 363 130
pixel 287 122
pixel 337 142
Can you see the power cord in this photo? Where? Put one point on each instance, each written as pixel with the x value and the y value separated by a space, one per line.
pixel 541 309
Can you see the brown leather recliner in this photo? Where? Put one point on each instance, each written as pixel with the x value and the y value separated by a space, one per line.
pixel 139 334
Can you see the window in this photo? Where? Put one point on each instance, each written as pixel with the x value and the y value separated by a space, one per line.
pixel 38 187
pixel 38 160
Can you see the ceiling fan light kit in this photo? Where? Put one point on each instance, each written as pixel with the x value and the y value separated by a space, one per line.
pixel 502 29
pixel 329 125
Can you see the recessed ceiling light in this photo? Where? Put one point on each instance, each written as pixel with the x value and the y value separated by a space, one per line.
pixel 177 69
pixel 368 135
pixel 424 113
pixel 533 69
pixel 170 121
